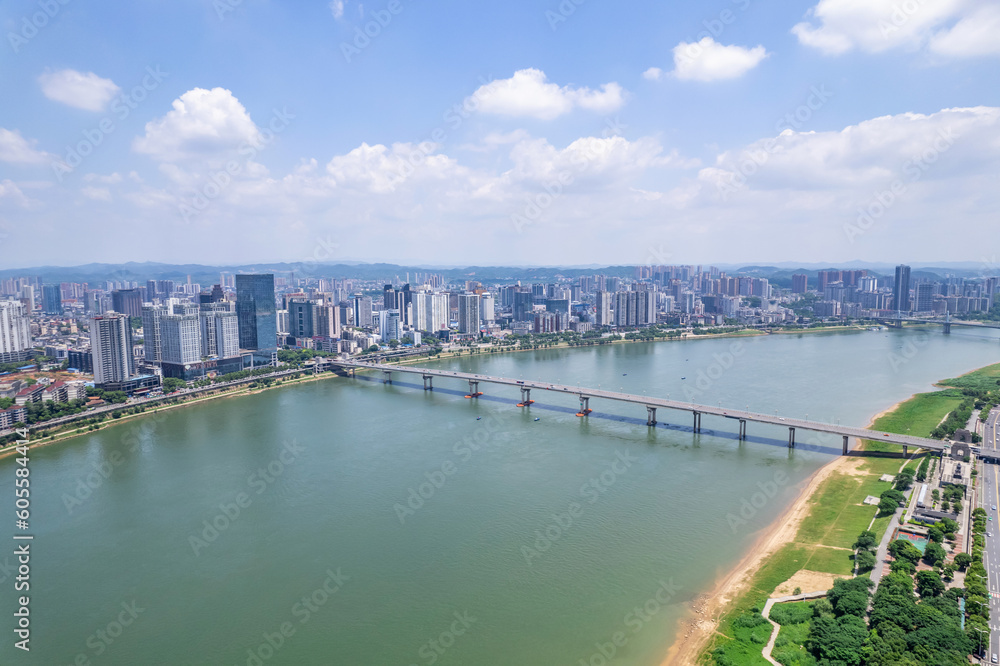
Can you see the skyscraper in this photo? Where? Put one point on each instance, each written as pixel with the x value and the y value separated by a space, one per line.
pixel 468 313
pixel 923 296
pixel 180 338
pixel 15 332
pixel 255 311
pixel 524 303
pixel 487 308
pixel 127 302
pixel 363 311
pixel 111 347
pixel 52 299
pixel 901 290
pixel 603 300
pixel 219 333
pixel 800 283
pixel 390 326
pixel 151 315
pixel 300 318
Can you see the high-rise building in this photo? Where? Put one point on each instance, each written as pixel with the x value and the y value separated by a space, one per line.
pixel 52 299
pixel 923 297
pixel 127 302
pixel 901 290
pixel 390 326
pixel 326 321
pixel 180 338
pixel 220 333
pixel 15 332
pixel 28 298
pixel 255 312
pixel 111 348
pixel 524 303
pixel 603 301
pixel 430 311
pixel 487 308
pixel 800 283
pixel 300 318
pixel 151 315
pixel 468 313
pixel 363 311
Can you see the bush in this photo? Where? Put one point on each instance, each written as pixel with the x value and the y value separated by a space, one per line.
pixel 791 613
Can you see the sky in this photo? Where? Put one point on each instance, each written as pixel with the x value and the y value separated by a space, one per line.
pixel 540 132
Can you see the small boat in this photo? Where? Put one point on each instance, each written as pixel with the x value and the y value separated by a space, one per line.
pixel 683 377
pixel 479 418
pixel 537 419
pixel 624 374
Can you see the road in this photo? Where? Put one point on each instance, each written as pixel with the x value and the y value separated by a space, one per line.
pixel 726 412
pixel 989 499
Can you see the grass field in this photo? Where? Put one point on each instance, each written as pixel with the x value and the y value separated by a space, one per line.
pixel 836 518
pixel 982 379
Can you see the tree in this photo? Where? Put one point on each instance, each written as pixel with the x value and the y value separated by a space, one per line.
pixel 929 584
pixel 838 640
pixel 901 549
pixel 887 506
pixel 963 560
pixel 865 559
pixel 935 534
pixel 171 384
pixel 865 540
pixel 934 553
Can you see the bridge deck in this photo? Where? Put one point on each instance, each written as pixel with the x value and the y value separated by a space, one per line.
pixel 814 426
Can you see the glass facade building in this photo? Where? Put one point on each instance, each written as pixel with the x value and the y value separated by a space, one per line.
pixel 256 312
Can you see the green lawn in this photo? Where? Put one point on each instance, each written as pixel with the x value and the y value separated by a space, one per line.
pixel 982 379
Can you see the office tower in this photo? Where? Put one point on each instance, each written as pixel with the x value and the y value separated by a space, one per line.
pixel 560 305
pixel 524 303
pixel 800 283
pixel 901 290
pixel 180 338
pixel 487 308
pixel 52 299
pixel 507 296
pixel 15 332
pixel 300 319
pixel 923 300
pixel 538 291
pixel 111 348
pixel 388 297
pixel 603 302
pixel 390 327
pixel 220 333
pixel 151 315
pixel 326 321
pixel 28 298
pixel 127 302
pixel 468 313
pixel 255 311
pixel 363 311
pixel 217 295
pixel 281 321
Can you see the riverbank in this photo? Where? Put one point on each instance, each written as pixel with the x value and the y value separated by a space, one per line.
pixel 780 558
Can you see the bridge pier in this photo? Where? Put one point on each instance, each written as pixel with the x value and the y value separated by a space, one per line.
pixel 650 415
pixel 387 376
pixel 947 329
pixel 791 438
pixel 697 421
pixel 743 429
pixel 525 397
pixel 428 382
pixel 474 391
pixel 584 406
pixel 845 445
pixel 904 450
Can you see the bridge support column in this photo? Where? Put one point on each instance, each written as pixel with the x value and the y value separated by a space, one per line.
pixel 904 450
pixel 474 391
pixel 791 438
pixel 697 421
pixel 428 382
pixel 845 445
pixel 525 397
pixel 743 429
pixel 387 376
pixel 650 416
pixel 585 409
pixel 947 329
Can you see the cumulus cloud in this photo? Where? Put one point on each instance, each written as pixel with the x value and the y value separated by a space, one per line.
pixel 707 60
pixel 955 28
pixel 337 7
pixel 530 94
pixel 15 149
pixel 82 91
pixel 203 125
pixel 653 74
pixel 96 193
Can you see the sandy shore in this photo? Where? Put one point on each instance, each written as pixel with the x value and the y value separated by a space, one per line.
pixel 706 610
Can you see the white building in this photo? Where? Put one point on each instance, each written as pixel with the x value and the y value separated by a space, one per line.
pixel 180 338
pixel 430 311
pixel 390 326
pixel 15 332
pixel 468 313
pixel 111 347
pixel 487 309
pixel 220 334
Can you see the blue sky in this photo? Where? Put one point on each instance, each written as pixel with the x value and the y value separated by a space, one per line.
pixel 508 133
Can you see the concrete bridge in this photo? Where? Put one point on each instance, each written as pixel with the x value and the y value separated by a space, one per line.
pixel 651 404
pixel 898 320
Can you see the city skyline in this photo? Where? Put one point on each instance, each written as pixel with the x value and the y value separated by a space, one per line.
pixel 829 132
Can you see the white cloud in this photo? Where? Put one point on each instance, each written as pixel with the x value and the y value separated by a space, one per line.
pixel 653 74
pixel 203 125
pixel 82 91
pixel 337 7
pixel 707 60
pixel 15 149
pixel 529 94
pixel 955 28
pixel 96 193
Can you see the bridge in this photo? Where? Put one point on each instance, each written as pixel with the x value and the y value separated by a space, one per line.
pixel 651 404
pixel 898 320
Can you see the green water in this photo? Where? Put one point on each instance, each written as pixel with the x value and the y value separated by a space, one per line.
pixel 652 523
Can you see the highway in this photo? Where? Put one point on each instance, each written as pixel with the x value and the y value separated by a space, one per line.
pixel 989 499
pixel 725 412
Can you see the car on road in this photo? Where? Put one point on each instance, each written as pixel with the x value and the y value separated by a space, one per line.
pixel 989 534
pixel 994 659
pixel 994 507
